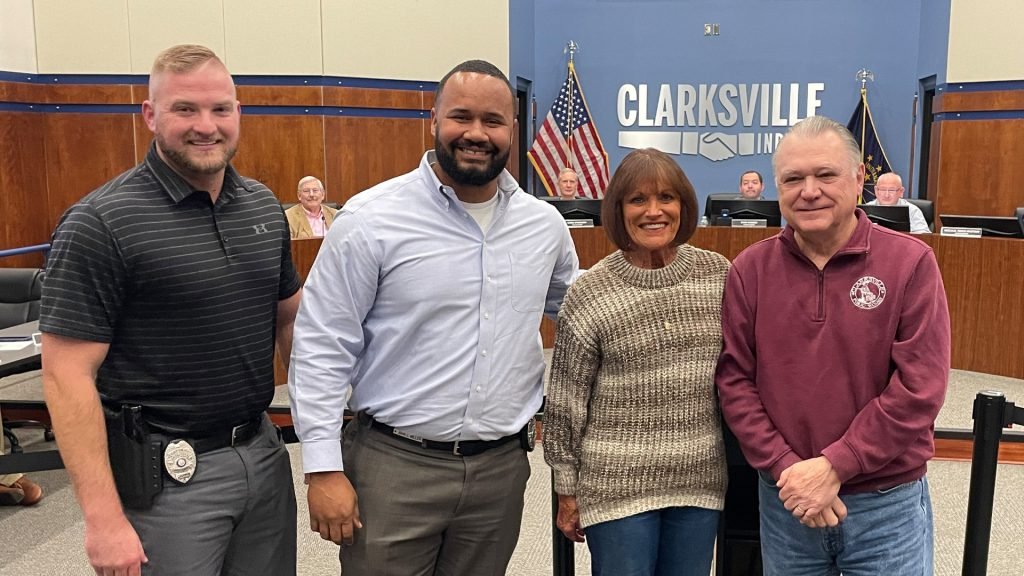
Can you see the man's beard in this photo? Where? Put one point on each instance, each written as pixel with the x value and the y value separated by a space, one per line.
pixel 469 176
pixel 179 158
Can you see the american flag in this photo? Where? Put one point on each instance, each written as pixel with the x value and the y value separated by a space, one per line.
pixel 557 147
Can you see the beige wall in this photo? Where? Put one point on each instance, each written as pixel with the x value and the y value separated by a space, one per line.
pixel 82 37
pixel 984 41
pixel 17 36
pixel 391 39
pixel 412 39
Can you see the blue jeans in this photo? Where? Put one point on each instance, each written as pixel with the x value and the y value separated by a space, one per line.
pixel 676 541
pixel 885 532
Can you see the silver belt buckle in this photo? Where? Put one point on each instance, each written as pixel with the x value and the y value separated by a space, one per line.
pixel 455 449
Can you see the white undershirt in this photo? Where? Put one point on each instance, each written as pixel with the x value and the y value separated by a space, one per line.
pixel 482 212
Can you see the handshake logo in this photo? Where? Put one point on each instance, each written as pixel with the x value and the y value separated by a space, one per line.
pixel 715 146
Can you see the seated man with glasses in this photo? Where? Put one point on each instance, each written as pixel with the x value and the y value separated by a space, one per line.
pixel 889 192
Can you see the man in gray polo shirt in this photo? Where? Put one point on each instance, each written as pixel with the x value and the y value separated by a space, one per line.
pixel 166 290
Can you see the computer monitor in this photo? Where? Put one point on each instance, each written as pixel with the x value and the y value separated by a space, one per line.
pixel 998 226
pixel 577 209
pixel 892 217
pixel 745 209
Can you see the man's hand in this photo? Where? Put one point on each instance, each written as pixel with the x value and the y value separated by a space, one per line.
pixel 808 487
pixel 333 507
pixel 568 520
pixel 831 517
pixel 114 548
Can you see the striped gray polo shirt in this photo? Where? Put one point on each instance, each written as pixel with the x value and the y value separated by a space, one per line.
pixel 184 291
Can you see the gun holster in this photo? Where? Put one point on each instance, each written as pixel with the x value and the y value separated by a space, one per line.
pixel 136 457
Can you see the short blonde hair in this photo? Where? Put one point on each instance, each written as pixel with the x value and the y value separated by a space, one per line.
pixel 183 58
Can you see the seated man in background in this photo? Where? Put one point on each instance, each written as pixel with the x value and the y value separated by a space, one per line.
pixel 568 183
pixel 751 185
pixel 889 192
pixel 310 218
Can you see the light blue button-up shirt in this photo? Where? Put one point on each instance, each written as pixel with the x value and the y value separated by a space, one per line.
pixel 430 324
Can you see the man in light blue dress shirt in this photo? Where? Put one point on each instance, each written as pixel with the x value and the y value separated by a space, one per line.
pixel 889 192
pixel 423 310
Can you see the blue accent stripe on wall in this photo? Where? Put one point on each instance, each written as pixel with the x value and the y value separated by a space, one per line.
pixel 981 86
pixel 334 111
pixel 985 115
pixel 338 81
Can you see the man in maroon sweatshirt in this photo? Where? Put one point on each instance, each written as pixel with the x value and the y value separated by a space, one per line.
pixel 834 366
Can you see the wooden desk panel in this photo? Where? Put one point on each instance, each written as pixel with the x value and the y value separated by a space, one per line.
pixel 982 279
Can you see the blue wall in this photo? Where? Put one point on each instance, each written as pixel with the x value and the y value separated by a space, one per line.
pixel 933 44
pixel 759 41
pixel 521 40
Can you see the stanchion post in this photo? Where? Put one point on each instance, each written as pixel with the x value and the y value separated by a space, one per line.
pixel 563 551
pixel 989 416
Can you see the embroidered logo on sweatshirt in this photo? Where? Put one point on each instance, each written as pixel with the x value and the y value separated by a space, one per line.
pixel 867 293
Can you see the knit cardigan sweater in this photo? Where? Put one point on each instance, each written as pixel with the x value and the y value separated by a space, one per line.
pixel 632 422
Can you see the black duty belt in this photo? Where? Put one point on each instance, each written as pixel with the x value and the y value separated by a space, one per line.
pixel 458 447
pixel 222 438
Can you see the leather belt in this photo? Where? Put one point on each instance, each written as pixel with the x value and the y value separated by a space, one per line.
pixel 223 438
pixel 458 447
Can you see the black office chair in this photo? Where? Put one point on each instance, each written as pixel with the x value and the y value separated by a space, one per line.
pixel 1020 216
pixel 927 208
pixel 21 290
pixel 717 196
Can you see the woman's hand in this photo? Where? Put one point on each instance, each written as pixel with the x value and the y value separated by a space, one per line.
pixel 568 520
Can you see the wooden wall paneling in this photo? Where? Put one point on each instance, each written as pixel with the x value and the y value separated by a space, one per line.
pixel 985 306
pixel 934 148
pixel 980 101
pixel 280 150
pixel 83 151
pixel 140 92
pixel 88 94
pixel 22 92
pixel 373 98
pixel 280 96
pixel 975 159
pixel 23 199
pixel 362 152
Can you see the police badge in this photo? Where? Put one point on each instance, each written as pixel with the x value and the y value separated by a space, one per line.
pixel 180 461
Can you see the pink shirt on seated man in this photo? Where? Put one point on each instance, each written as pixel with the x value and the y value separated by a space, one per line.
pixel 310 218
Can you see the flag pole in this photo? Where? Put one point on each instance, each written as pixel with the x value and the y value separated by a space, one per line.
pixel 863 75
pixel 572 47
pixel 533 136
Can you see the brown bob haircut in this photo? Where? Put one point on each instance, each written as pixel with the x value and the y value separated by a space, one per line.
pixel 643 169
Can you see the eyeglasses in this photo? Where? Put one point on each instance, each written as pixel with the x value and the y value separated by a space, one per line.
pixel 887 190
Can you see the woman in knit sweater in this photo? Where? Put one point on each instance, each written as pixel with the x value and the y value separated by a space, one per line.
pixel 631 425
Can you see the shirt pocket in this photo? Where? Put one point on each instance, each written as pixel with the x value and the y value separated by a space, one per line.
pixel 531 276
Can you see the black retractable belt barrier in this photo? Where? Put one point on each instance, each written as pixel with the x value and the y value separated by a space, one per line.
pixel 563 550
pixel 992 413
